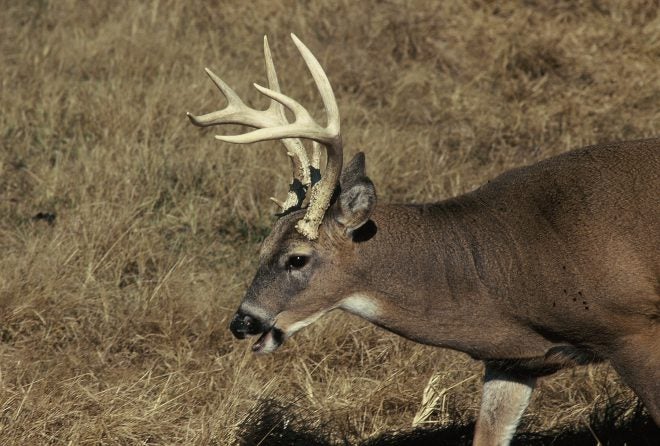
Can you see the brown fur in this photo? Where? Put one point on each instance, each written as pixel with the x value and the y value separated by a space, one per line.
pixel 545 266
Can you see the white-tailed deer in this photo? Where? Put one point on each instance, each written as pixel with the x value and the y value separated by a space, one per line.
pixel 544 267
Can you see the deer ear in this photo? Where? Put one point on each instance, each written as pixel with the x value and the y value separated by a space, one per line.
pixel 357 198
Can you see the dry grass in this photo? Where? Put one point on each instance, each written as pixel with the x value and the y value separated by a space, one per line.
pixel 113 320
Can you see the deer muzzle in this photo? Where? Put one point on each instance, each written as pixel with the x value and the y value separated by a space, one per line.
pixel 243 325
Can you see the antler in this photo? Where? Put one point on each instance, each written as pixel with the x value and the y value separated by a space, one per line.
pixel 237 112
pixel 272 124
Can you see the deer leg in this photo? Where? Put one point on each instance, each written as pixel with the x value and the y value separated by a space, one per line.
pixel 637 360
pixel 505 397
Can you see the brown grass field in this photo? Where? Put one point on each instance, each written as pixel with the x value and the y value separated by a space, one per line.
pixel 128 236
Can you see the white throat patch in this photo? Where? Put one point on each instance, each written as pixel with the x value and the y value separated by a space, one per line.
pixel 291 329
pixel 361 305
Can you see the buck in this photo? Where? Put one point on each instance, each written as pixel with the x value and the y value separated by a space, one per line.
pixel 544 267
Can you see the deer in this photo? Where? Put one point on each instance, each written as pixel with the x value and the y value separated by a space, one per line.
pixel 547 266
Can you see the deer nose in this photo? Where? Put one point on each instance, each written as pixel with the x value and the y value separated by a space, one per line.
pixel 243 324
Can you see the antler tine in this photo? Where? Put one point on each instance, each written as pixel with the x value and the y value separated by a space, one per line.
pixel 316 155
pixel 295 148
pixel 236 112
pixel 322 83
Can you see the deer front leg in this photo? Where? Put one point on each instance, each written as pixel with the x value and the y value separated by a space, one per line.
pixel 505 397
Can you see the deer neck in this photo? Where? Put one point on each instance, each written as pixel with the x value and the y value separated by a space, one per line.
pixel 429 274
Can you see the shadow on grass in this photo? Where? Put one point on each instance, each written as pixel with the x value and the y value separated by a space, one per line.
pixel 273 423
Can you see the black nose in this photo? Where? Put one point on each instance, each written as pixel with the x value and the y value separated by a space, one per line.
pixel 244 324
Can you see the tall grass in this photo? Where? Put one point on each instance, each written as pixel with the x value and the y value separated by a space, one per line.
pixel 127 236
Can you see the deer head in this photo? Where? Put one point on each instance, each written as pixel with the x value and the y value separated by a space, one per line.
pixel 305 263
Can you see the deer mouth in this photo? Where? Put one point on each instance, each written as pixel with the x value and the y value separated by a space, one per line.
pixel 270 338
pixel 269 341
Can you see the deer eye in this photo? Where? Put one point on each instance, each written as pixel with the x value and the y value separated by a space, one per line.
pixel 296 262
